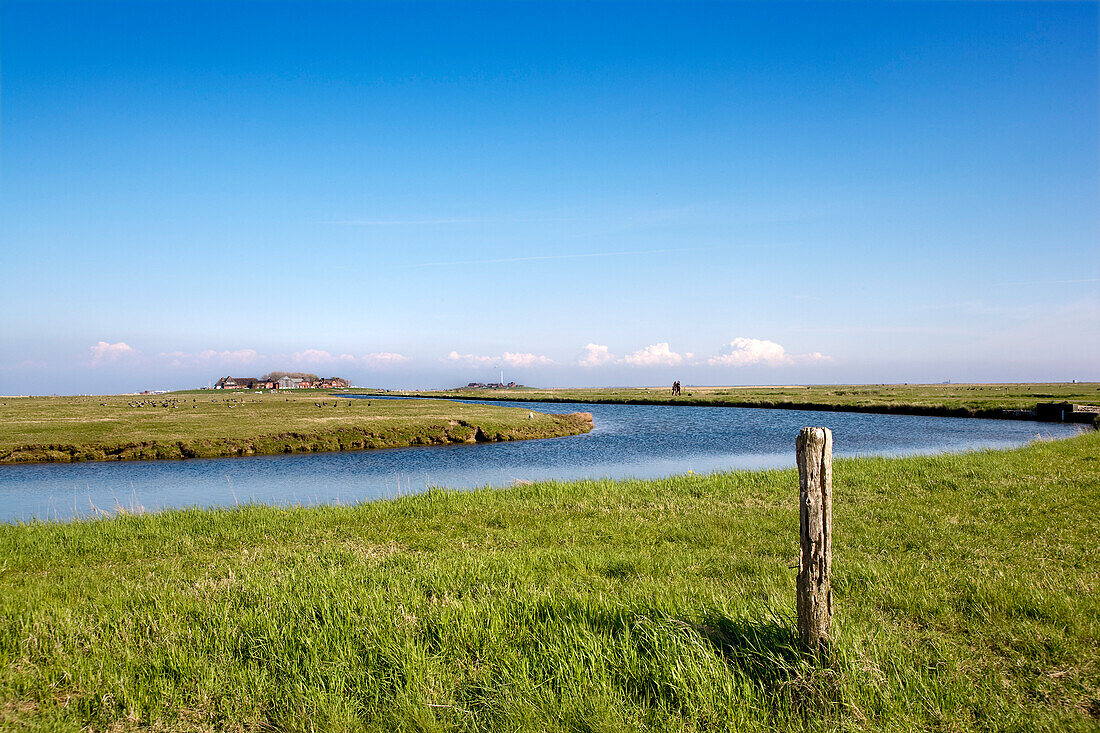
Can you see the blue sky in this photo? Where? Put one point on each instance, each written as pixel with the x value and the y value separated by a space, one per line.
pixel 417 195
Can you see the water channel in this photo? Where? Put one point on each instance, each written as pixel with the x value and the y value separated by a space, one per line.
pixel 644 441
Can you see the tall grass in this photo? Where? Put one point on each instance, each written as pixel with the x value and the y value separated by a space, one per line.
pixel 966 586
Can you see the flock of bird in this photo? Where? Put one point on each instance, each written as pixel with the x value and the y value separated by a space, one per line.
pixel 172 404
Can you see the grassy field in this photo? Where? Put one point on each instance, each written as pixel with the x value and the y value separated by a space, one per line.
pixel 985 400
pixel 966 587
pixel 215 423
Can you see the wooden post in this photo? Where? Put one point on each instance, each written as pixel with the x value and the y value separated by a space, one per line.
pixel 815 560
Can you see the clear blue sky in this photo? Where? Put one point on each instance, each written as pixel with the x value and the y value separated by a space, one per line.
pixel 414 194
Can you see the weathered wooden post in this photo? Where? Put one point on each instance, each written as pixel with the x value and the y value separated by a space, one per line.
pixel 815 560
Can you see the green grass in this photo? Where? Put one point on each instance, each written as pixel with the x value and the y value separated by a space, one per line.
pixel 966 587
pixel 959 399
pixel 217 423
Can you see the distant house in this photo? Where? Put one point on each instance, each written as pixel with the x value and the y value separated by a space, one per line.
pixel 288 383
pixel 237 383
pixel 333 383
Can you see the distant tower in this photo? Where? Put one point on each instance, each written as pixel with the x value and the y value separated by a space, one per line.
pixel 502 376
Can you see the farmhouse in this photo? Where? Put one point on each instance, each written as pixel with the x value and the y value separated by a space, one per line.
pixel 285 382
pixel 237 383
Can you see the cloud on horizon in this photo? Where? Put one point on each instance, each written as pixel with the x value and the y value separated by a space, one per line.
pixel 210 357
pixel 383 359
pixel 595 355
pixel 103 352
pixel 374 360
pixel 739 352
pixel 654 355
pixel 508 358
pixel 744 351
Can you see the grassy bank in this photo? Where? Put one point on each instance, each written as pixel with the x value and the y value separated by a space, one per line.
pixel 233 423
pixel 967 590
pixel 956 400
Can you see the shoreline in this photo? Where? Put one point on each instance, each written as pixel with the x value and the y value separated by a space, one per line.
pixel 991 413
pixel 607 588
pixel 433 431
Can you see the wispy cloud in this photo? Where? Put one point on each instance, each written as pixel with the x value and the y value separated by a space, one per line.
pixel 241 358
pixel 210 357
pixel 403 222
pixel 1051 282
pixel 318 356
pixel 381 359
pixel 573 256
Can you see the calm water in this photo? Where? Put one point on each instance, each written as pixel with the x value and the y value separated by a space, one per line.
pixel 628 440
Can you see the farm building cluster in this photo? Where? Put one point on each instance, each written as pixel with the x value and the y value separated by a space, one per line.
pixel 281 383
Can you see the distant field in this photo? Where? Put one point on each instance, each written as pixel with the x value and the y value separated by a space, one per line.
pixel 962 399
pixel 227 423
pixel 966 588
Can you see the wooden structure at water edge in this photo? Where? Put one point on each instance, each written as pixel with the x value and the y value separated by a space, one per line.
pixel 814 448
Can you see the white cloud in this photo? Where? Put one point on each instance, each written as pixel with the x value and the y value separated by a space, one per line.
pixel 517 360
pixel 383 359
pixel 508 358
pixel 595 355
pixel 320 357
pixel 210 357
pixel 239 356
pixel 312 356
pixel 654 355
pixel 743 351
pixel 471 359
pixel 105 352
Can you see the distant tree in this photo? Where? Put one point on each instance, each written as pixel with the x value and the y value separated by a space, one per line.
pixel 276 376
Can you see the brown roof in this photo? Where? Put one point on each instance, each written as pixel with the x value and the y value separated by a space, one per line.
pixel 239 380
